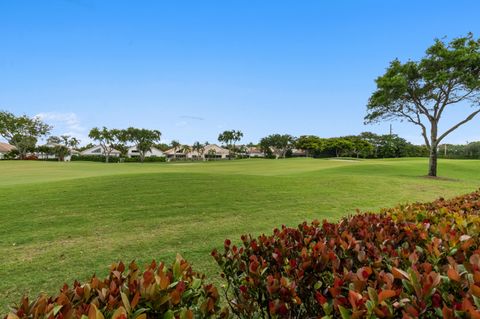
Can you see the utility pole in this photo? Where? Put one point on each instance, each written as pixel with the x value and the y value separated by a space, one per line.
pixel 390 129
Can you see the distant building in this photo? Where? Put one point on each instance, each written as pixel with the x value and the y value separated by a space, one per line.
pixel 210 151
pixel 5 148
pixel 213 151
pixel 175 153
pixel 98 150
pixel 298 153
pixel 154 152
pixel 254 152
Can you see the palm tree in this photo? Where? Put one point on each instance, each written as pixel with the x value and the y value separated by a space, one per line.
pixel 199 148
pixel 185 149
pixel 175 145
pixel 236 137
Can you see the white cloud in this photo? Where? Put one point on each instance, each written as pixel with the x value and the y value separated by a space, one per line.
pixel 65 124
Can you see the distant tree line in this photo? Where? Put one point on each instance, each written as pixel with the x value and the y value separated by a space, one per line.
pixel 460 151
pixel 365 145
pixel 23 132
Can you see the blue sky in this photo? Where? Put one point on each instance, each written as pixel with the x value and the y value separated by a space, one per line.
pixel 192 69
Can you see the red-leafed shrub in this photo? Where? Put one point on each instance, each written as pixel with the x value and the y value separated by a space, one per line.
pixel 156 292
pixel 416 260
pixel 420 260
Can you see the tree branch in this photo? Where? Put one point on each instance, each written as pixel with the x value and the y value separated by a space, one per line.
pixel 445 101
pixel 468 118
pixel 419 123
pixel 418 103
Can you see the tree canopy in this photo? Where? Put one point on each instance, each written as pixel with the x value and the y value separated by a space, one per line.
pixel 277 144
pixel 22 131
pixel 106 138
pixel 420 91
pixel 143 139
pixel 229 138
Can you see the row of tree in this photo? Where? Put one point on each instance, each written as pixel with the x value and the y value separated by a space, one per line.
pixel 23 132
pixel 465 151
pixel 110 139
pixel 365 145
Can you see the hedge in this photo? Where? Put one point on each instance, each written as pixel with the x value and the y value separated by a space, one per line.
pixel 114 159
pixel 420 260
pixel 411 261
pixel 156 292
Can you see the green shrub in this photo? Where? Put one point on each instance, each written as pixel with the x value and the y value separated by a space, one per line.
pixel 153 159
pixel 112 159
pixel 95 158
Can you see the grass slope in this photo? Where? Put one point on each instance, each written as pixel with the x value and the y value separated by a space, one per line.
pixel 65 221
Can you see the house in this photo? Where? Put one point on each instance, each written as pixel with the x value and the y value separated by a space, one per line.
pixel 98 150
pixel 154 152
pixel 213 151
pixel 5 148
pixel 210 151
pixel 43 154
pixel 254 152
pixel 175 153
pixel 298 153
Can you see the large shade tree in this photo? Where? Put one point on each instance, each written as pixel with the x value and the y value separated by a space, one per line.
pixel 106 138
pixel 143 139
pixel 420 91
pixel 311 144
pixel 22 131
pixel 280 144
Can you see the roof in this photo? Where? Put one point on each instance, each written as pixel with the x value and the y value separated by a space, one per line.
pixel 206 149
pixel 171 151
pixel 216 148
pixel 87 151
pixel 152 149
pixel 254 149
pixel 5 148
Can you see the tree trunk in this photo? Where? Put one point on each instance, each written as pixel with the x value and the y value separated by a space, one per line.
pixel 432 163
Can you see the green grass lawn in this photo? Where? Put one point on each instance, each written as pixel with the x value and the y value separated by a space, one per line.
pixel 66 221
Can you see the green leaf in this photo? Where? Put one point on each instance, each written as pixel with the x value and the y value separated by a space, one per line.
pixel 327 308
pixel 372 293
pixel 168 315
pixel 126 302
pixel 344 312
pixel 370 306
pixel 176 270
pixel 56 309
pixel 196 283
pixel 476 300
pixel 183 313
